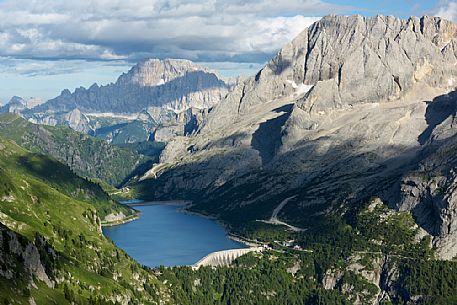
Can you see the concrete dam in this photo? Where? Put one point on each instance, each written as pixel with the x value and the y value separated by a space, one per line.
pixel 224 258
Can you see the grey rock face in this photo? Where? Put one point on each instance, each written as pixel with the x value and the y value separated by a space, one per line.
pixel 15 105
pixel 15 249
pixel 154 92
pixel 78 121
pixel 348 61
pixel 342 113
pixel 18 104
pixel 429 191
pixel 178 84
pixel 357 60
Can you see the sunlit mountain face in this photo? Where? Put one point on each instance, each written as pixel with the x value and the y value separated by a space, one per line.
pixel 230 152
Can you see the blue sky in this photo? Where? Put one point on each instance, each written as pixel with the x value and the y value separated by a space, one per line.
pixel 49 45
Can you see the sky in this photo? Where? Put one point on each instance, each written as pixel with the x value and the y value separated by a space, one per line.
pixel 49 45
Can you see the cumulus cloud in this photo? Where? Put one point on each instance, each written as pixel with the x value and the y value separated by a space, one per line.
pixel 447 10
pixel 212 30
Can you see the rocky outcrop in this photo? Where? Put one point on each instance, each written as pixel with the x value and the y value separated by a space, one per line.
pixel 78 121
pixel 378 281
pixel 429 191
pixel 17 253
pixel 15 105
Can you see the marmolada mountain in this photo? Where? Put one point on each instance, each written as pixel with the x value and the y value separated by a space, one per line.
pixel 334 168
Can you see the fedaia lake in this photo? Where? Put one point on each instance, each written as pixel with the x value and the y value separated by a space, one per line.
pixel 164 235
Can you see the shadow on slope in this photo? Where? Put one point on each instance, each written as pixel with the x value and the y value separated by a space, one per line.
pixel 267 138
pixel 424 190
pixel 64 180
pixel 60 177
pixel 321 183
pixel 87 156
pixel 438 110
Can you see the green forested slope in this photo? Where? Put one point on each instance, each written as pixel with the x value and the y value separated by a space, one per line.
pixel 370 256
pixel 87 156
pixel 52 248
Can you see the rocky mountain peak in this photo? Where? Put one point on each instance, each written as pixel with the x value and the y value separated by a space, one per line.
pixel 17 100
pixel 17 104
pixel 340 61
pixel 65 92
pixel 156 72
pixel 173 83
pixel 346 56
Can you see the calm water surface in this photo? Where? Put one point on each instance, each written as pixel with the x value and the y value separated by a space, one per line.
pixel 165 236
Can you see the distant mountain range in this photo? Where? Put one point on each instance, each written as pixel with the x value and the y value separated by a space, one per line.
pixel 155 100
pixel 17 104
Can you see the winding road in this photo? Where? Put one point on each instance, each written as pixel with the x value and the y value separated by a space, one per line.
pixel 274 220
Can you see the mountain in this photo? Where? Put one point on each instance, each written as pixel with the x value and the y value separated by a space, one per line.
pixel 17 104
pixel 339 156
pixel 352 109
pixel 346 108
pixel 52 249
pixel 155 100
pixel 58 176
pixel 85 155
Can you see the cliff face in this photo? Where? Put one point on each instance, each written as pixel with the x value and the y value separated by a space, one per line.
pixel 343 113
pixel 17 253
pixel 352 60
pixel 177 84
pixel 155 93
pixel 429 189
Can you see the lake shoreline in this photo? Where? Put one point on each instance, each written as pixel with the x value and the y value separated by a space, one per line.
pixel 122 221
pixel 228 233
pixel 183 207
pixel 180 203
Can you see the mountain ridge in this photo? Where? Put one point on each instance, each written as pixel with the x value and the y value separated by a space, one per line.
pixel 159 98
pixel 52 247
pixel 332 120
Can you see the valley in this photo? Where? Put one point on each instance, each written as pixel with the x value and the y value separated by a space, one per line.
pixel 335 164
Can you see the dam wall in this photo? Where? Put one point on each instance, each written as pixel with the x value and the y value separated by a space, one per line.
pixel 225 257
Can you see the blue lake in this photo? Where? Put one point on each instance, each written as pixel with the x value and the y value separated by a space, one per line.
pixel 165 236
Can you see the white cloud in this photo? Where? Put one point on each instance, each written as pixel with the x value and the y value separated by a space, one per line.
pixel 447 10
pixel 213 30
